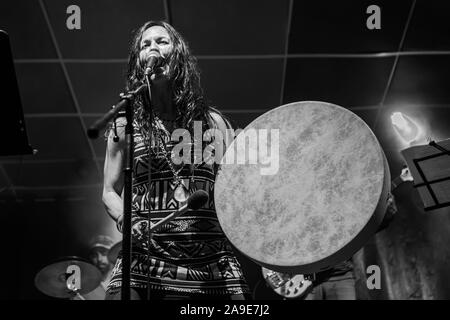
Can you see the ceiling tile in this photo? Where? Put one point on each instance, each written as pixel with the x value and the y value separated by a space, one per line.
pixel 79 172
pixel 3 180
pixel 71 194
pixel 106 26
pixel 7 195
pixel 97 85
pixel 367 115
pixel 232 26
pixel 340 26
pixel 18 158
pixel 346 82
pixel 43 88
pixel 28 32
pixel 58 138
pixel 242 83
pixel 429 28
pixel 421 80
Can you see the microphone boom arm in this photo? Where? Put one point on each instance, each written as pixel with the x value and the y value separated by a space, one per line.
pixel 93 130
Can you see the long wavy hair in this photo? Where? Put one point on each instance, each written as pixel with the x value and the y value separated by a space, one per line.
pixel 188 94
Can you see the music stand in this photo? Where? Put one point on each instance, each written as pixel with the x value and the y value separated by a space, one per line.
pixel 12 130
pixel 430 168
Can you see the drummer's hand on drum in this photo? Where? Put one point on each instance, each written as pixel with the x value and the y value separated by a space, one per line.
pixel 391 210
pixel 391 206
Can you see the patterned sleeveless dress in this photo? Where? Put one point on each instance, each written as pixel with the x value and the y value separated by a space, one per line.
pixel 189 254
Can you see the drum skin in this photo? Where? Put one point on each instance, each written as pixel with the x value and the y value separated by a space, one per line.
pixel 326 200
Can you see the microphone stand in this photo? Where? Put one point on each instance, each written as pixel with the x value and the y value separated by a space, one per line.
pixel 148 73
pixel 127 104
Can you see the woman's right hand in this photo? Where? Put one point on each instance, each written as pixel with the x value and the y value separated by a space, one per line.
pixel 139 230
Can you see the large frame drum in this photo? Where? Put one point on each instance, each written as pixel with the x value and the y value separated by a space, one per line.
pixel 326 200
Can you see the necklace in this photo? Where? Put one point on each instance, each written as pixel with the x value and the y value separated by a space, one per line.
pixel 181 193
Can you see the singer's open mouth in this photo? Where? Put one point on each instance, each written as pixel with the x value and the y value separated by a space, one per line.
pixel 160 70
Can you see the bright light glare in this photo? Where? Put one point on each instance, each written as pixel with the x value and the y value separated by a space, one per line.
pixel 406 128
pixel 400 122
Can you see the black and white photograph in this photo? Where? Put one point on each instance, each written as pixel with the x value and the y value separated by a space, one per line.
pixel 242 152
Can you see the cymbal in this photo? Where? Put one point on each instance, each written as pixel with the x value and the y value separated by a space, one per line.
pixel 52 279
pixel 113 253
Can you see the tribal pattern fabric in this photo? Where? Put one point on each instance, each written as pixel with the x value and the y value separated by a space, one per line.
pixel 188 254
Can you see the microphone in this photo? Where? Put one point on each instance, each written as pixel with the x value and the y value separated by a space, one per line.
pixel 154 61
pixel 194 202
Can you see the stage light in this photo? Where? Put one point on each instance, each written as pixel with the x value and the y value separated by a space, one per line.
pixel 405 127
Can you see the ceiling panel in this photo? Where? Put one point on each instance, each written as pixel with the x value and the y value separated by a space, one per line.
pixel 7 195
pixel 57 138
pixel 4 183
pixel 429 28
pixel 340 26
pixel 97 85
pixel 29 36
pixel 368 115
pixel 106 26
pixel 242 83
pixel 43 88
pixel 79 172
pixel 232 26
pixel 346 82
pixel 70 194
pixel 421 80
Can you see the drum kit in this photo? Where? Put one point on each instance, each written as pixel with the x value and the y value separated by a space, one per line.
pixel 325 201
pixel 74 278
